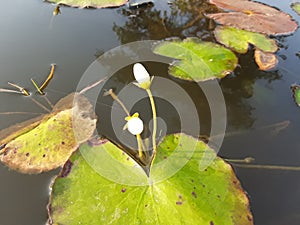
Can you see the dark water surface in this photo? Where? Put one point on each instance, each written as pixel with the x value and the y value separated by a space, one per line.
pixel 31 39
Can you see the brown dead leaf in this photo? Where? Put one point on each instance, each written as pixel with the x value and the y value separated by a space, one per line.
pixel 265 60
pixel 253 16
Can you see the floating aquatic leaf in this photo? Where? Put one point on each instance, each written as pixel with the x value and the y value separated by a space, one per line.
pixel 197 60
pixel 239 40
pixel 296 7
pixel 46 142
pixel 90 3
pixel 296 91
pixel 253 16
pixel 265 60
pixel 214 196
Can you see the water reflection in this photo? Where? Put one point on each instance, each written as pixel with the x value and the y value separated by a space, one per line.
pixel 186 18
pixel 182 19
pixel 239 87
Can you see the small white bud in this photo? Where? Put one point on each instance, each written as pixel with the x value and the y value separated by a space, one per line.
pixel 141 75
pixel 135 125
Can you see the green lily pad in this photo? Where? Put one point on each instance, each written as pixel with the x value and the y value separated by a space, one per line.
pixel 296 91
pixel 90 3
pixel 296 7
pixel 239 40
pixel 213 196
pixel 45 143
pixel 198 60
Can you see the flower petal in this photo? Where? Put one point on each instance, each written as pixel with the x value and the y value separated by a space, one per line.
pixel 140 73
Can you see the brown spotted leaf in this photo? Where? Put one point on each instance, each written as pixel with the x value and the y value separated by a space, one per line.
pixel 46 142
pixel 253 16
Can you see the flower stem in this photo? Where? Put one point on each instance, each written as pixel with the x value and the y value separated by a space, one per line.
pixel 140 147
pixel 140 143
pixel 154 120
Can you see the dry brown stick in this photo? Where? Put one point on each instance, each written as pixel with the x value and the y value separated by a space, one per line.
pixel 50 76
pixel 26 113
pixel 268 167
pixel 92 85
pixel 10 91
pixel 21 89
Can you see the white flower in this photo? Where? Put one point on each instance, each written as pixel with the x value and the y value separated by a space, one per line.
pixel 142 76
pixel 134 124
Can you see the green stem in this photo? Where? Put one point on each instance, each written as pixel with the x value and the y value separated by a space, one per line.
pixel 154 120
pixel 245 160
pixel 37 87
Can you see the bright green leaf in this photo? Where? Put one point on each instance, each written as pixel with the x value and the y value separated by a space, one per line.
pixel 213 196
pixel 198 60
pixel 296 7
pixel 90 3
pixel 296 91
pixel 239 40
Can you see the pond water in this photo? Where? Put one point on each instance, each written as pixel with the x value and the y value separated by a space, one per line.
pixel 31 39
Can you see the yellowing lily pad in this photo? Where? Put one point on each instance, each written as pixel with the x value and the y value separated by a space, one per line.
pixel 90 3
pixel 213 196
pixel 46 142
pixel 197 60
pixel 239 40
pixel 253 16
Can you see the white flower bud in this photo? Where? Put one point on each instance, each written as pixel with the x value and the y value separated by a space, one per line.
pixel 135 125
pixel 141 75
